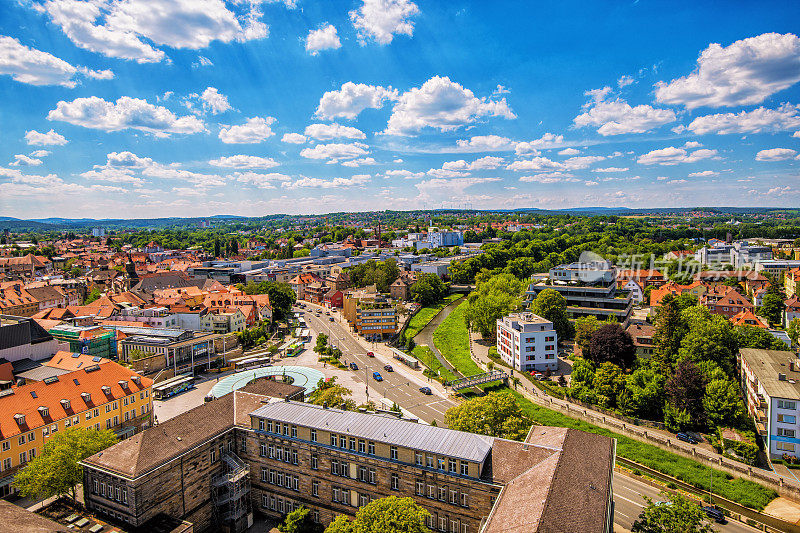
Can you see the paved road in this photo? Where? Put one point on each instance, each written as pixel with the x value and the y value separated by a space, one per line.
pixel 628 503
pixel 395 386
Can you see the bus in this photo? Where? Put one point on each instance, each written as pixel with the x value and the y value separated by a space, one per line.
pixel 172 386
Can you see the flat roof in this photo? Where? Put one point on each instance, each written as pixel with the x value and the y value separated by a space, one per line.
pixel 767 364
pixel 380 428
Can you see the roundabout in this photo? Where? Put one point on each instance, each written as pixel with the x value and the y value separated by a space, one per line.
pixel 301 376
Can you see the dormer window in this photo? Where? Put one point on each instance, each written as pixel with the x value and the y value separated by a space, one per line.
pixel 106 389
pixel 65 403
pixel 86 397
pixel 123 383
pixel 44 411
pixel 20 418
pixel 137 380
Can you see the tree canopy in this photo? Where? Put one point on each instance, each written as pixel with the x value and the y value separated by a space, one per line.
pixel 610 343
pixel 332 394
pixel 55 471
pixel 676 515
pixel 551 305
pixel 384 515
pixel 493 299
pixel 428 289
pixel 497 414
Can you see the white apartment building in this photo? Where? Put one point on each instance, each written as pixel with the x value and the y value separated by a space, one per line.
pixel 527 342
pixel 771 382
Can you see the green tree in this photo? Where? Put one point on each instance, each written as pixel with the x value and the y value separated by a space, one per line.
pixel 55 471
pixel 722 403
pixel 679 515
pixel 332 394
pixel 753 337
pixel 551 305
pixel 93 295
pixel 299 521
pixel 584 327
pixel 772 307
pixel 384 515
pixel 609 383
pixel 428 289
pixel 644 392
pixel 217 247
pixel 494 298
pixel 685 392
pixel 711 338
pixel 322 343
pixel 497 414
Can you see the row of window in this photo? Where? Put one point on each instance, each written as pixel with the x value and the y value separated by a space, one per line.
pixel 441 493
pixel 448 465
pixel 786 404
pixel 117 494
pixel 275 427
pixel 342 496
pixel 784 446
pixel 783 432
pixel 353 444
pixel 24 457
pixel 281 479
pixel 279 453
pixel 787 419
pixel 434 521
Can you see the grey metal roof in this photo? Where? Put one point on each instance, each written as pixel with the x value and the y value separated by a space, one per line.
pixel 40 373
pixel 381 428
pixel 767 364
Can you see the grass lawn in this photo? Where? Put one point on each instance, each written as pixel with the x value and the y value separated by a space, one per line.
pixel 425 315
pixel 452 340
pixel 427 358
pixel 742 491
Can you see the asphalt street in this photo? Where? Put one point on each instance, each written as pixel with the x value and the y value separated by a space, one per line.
pixel 628 503
pixel 396 387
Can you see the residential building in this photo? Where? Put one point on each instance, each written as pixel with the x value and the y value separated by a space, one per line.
pixel 642 335
pixel 790 280
pixel 776 267
pixel 90 340
pixel 102 396
pixel 748 318
pixel 527 342
pixel 399 290
pixel 301 281
pixel 223 321
pixel 634 288
pixel 16 300
pixel 643 277
pixel 334 298
pixel 369 314
pixel 726 301
pixel 792 310
pixel 24 338
pixel 244 453
pixel 770 380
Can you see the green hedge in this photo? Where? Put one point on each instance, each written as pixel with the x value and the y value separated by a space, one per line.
pixel 739 490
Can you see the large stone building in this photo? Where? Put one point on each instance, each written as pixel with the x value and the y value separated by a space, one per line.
pixel 245 452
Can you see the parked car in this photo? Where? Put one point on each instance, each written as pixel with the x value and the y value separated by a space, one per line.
pixel 331 319
pixel 370 354
pixel 388 368
pixel 377 376
pixel 685 437
pixel 715 513
pixel 426 390
pixel 353 366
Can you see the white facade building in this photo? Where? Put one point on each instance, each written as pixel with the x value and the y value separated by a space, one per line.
pixel 527 342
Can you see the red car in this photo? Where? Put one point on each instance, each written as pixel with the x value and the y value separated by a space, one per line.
pixel 370 354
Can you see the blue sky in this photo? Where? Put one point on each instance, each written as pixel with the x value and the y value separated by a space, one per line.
pixel 154 108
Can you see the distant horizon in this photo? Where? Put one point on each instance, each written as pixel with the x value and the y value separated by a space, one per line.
pixel 156 108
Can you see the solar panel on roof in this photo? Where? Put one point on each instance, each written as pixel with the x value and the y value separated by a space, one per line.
pixel 76 355
pixel 33 393
pixel 75 380
pixel 96 359
pixel 51 379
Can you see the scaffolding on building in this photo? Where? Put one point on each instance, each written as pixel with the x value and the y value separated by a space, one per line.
pixel 231 494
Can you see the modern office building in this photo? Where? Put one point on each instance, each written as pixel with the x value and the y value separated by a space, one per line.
pixel 527 342
pixel 770 380
pixel 246 453
pixel 590 290
pixel 102 396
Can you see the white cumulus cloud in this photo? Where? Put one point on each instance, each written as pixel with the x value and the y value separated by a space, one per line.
pixel 244 161
pixel 335 183
pixel 326 132
pixel 323 38
pixel 294 138
pixel 569 151
pixel 776 154
pixel 703 174
pixel 485 143
pixel 759 120
pixel 255 130
pixel 353 98
pixel 672 156
pixel 22 160
pixel 335 151
pixel 50 138
pixel 444 105
pixel 381 20
pixel 360 162
pixel 617 117
pixel 214 101
pixel 548 140
pixel 125 113
pixel 35 67
pixel 134 29
pixel 744 73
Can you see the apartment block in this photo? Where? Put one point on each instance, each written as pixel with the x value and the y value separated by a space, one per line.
pixel 283 454
pixel 102 396
pixel 527 342
pixel 770 380
pixel 369 314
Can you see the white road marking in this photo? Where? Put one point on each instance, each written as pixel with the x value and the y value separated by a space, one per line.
pixel 629 501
